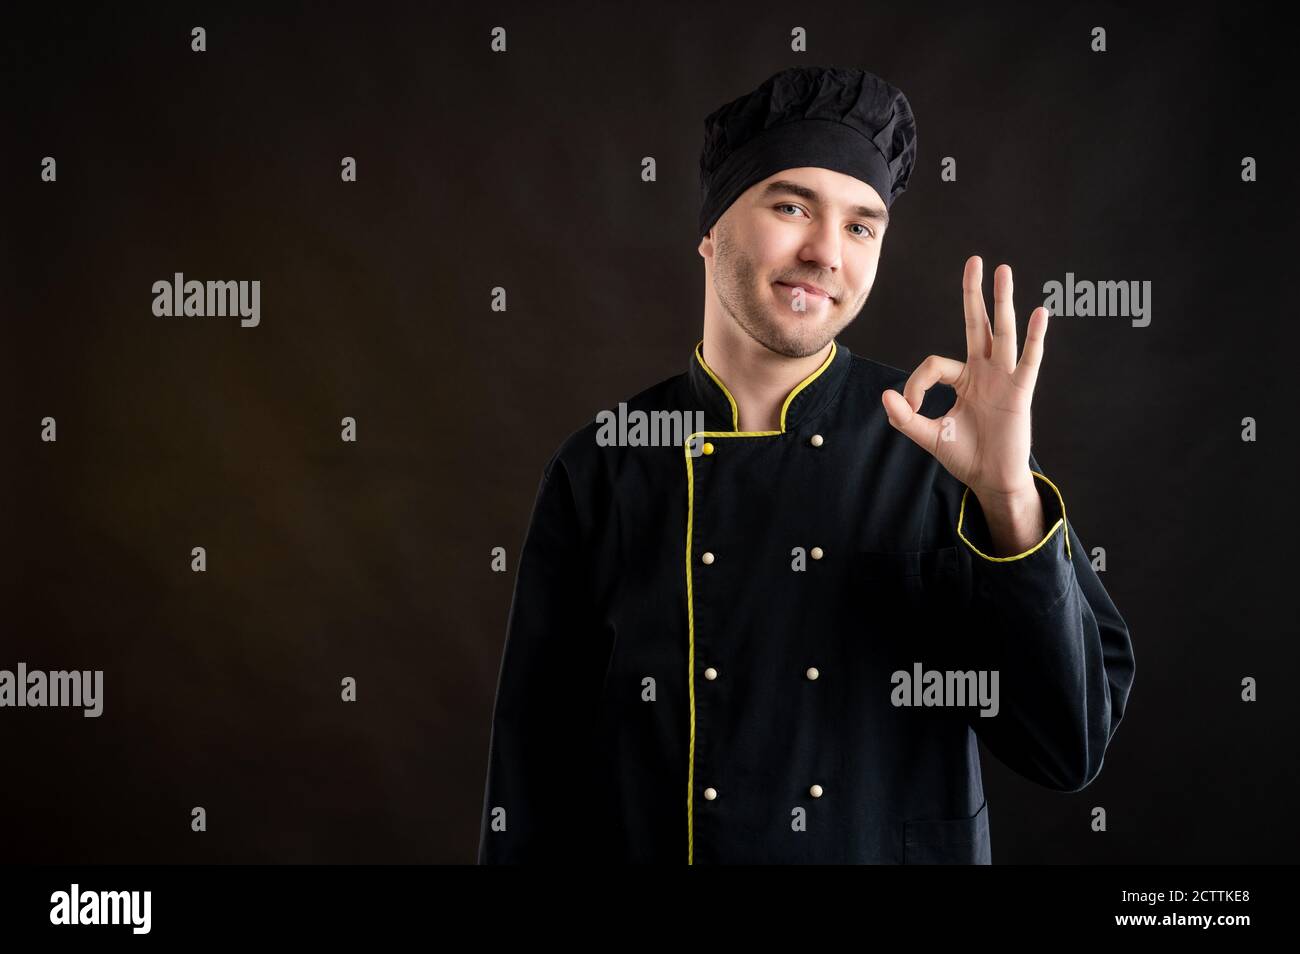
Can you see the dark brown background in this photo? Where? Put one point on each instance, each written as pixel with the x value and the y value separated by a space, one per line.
pixel 523 170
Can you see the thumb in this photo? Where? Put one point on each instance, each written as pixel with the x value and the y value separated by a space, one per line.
pixel 924 431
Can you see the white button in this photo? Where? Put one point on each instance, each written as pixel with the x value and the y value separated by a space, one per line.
pixel 815 791
pixel 812 672
pixel 707 558
pixel 816 553
pixel 710 673
pixel 815 440
pixel 710 793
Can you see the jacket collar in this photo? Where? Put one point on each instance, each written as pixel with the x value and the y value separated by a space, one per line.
pixel 808 398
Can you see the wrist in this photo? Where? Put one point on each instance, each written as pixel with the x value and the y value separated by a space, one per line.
pixel 1014 518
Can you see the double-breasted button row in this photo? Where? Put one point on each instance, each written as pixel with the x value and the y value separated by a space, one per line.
pixel 811 673
pixel 711 793
pixel 816 553
pixel 816 441
pixel 707 556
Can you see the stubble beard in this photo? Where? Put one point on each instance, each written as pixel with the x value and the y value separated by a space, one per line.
pixel 734 282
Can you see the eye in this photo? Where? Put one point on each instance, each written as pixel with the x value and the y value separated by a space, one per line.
pixel 869 233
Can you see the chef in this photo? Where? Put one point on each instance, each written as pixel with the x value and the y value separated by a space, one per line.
pixel 721 652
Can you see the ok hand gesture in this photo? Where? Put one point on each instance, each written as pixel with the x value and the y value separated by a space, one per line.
pixel 984 439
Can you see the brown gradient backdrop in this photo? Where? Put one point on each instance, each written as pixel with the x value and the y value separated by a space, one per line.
pixel 522 170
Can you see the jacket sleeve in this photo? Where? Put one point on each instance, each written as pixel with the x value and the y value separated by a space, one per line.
pixel 1063 652
pixel 543 717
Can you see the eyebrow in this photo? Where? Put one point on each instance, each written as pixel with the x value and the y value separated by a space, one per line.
pixel 794 188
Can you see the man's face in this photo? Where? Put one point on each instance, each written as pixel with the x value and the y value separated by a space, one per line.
pixel 807 225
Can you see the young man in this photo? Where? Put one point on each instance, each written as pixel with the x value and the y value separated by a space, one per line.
pixel 778 639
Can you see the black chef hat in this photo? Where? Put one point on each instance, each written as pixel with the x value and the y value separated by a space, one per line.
pixel 847 120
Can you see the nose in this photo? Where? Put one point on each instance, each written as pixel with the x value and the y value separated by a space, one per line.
pixel 823 248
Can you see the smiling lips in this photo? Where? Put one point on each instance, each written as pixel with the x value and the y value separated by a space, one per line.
pixel 810 289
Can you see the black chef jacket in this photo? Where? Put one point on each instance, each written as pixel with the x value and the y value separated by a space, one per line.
pixel 674 689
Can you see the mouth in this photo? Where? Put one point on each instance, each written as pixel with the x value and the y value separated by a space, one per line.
pixel 810 291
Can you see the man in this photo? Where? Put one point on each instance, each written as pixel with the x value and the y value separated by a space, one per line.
pixel 779 639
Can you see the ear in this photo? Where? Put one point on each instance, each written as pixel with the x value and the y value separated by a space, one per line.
pixel 706 244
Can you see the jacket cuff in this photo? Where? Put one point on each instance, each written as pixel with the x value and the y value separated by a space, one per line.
pixel 973 529
pixel 1040 574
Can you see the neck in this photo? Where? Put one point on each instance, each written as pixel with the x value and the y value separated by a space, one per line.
pixel 759 380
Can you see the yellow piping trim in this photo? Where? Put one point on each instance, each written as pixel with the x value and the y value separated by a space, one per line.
pixel 690 616
pixel 1019 556
pixel 807 381
pixel 735 411
pixel 690 527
